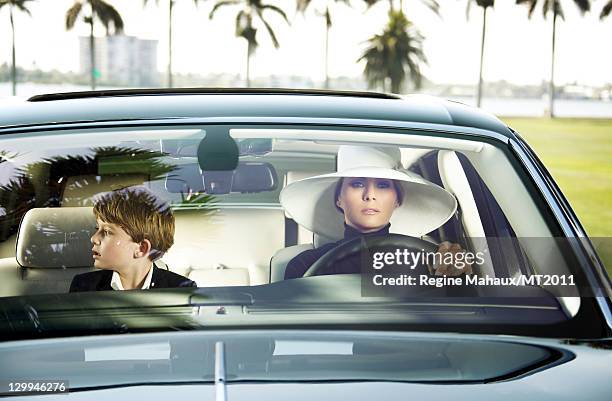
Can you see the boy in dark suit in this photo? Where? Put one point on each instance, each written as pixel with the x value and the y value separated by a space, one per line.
pixel 133 230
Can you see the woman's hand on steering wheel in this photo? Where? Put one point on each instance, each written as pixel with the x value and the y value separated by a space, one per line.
pixel 449 264
pixel 352 248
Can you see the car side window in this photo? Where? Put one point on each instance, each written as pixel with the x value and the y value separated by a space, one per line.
pixel 508 261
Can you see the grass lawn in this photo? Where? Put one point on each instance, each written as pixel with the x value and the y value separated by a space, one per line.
pixel 578 153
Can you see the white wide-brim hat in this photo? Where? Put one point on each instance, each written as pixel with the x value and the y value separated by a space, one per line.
pixel 425 206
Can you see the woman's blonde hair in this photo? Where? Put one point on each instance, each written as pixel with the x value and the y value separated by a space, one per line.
pixel 141 215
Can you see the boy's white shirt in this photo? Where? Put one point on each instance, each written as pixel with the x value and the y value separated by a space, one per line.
pixel 116 281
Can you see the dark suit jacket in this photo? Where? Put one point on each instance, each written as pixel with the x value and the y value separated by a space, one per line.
pixel 101 280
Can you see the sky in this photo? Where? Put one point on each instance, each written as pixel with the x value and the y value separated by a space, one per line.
pixel 517 49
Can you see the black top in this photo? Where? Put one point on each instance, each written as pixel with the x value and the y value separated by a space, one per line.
pixel 302 262
pixel 101 280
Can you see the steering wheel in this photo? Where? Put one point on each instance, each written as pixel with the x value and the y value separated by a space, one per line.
pixel 353 247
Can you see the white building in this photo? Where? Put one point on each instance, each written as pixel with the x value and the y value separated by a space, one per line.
pixel 121 59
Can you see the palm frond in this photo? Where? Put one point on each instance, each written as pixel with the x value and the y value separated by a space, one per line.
pixel 108 15
pixel 370 3
pixel 433 5
pixel 554 6
pixel 72 14
pixel 374 58
pixel 546 7
pixel 302 5
pixel 583 5
pixel 606 10
pixel 222 4
pixel 530 4
pixel 558 9
pixel 21 6
pixel 269 29
pixel 275 9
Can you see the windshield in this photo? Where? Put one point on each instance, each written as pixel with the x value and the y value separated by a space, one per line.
pixel 272 226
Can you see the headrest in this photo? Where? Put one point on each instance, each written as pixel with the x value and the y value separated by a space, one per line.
pixel 247 177
pixel 320 240
pixel 252 177
pixel 56 238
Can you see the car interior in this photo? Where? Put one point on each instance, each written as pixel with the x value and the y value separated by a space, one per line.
pixel 230 227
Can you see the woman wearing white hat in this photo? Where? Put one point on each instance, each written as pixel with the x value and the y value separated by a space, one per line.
pixel 369 195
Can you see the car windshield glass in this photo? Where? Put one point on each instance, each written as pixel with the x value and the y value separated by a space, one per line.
pixel 307 225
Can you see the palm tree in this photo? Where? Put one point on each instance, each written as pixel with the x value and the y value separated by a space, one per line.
pixel 104 12
pixel 170 8
pixel 400 47
pixel 20 5
pixel 485 4
pixel 250 10
pixel 302 5
pixel 388 56
pixel 605 11
pixel 557 10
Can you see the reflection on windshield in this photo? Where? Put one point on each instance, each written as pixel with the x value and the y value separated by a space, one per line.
pixel 283 357
pixel 42 183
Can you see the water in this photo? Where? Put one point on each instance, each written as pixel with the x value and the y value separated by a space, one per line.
pixel 536 107
pixel 498 106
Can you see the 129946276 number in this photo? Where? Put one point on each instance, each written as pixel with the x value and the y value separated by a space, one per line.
pixel 34 386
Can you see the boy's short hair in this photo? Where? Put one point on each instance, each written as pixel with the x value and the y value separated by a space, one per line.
pixel 141 215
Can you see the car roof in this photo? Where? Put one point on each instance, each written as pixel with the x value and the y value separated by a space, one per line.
pixel 244 105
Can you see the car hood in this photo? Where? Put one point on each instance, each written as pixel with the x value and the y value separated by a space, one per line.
pixel 270 364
